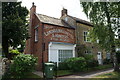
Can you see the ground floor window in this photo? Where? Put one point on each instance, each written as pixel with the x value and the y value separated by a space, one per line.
pixel 64 54
pixel 108 55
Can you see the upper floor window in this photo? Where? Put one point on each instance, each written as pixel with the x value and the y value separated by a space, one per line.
pixel 88 52
pixel 86 37
pixel 36 34
pixel 66 19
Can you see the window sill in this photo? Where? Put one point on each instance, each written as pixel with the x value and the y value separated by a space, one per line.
pixel 36 41
pixel 88 41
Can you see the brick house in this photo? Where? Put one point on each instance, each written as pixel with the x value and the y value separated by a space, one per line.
pixel 51 39
pixel 84 44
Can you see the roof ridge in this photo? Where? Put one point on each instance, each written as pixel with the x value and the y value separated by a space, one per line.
pixel 79 18
pixel 48 16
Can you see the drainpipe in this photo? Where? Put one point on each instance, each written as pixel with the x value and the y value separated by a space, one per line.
pixel 43 49
pixel 74 51
pixel 76 38
pixel 49 50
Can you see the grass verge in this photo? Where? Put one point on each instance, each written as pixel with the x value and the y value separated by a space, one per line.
pixel 108 76
pixel 68 72
pixel 100 67
pixel 63 72
pixel 32 75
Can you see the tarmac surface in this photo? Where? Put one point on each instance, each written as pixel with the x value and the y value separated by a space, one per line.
pixel 81 76
pixel 89 74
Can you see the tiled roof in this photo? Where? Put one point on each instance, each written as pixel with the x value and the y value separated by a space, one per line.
pixel 81 21
pixel 52 20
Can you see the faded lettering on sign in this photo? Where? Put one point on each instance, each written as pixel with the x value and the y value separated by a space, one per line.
pixel 58 34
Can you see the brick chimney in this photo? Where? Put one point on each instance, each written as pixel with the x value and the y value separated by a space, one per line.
pixel 63 12
pixel 31 27
pixel 32 10
pixel 32 16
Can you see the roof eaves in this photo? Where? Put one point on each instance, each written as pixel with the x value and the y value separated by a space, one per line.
pixel 85 23
pixel 81 21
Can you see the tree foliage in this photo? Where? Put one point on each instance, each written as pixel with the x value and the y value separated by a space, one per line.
pixel 14 23
pixel 105 17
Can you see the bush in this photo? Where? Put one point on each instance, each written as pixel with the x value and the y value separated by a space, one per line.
pixel 76 64
pixel 13 53
pixel 106 61
pixel 63 66
pixel 22 65
pixel 88 57
pixel 91 62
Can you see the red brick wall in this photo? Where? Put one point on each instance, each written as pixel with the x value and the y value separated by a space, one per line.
pixel 33 47
pixel 54 33
pixel 37 46
pixel 58 34
pixel 46 33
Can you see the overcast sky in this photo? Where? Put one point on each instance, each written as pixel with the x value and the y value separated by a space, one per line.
pixel 53 7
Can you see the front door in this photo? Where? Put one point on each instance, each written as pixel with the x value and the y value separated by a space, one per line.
pixel 99 56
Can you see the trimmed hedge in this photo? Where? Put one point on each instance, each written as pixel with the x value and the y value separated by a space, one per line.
pixel 91 62
pixel 63 66
pixel 76 64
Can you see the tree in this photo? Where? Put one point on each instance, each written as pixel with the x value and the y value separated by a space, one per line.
pixel 105 18
pixel 14 25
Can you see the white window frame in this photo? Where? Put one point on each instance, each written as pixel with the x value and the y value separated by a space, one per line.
pixel 108 56
pixel 55 46
pixel 63 55
pixel 36 34
pixel 86 38
pixel 88 52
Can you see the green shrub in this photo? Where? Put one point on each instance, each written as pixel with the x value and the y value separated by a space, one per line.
pixel 106 61
pixel 63 66
pixel 13 53
pixel 22 65
pixel 88 57
pixel 76 64
pixel 91 62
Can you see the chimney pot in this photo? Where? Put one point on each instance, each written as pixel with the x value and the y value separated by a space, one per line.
pixel 64 12
pixel 33 4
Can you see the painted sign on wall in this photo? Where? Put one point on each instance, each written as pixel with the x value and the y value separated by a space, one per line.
pixel 58 34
